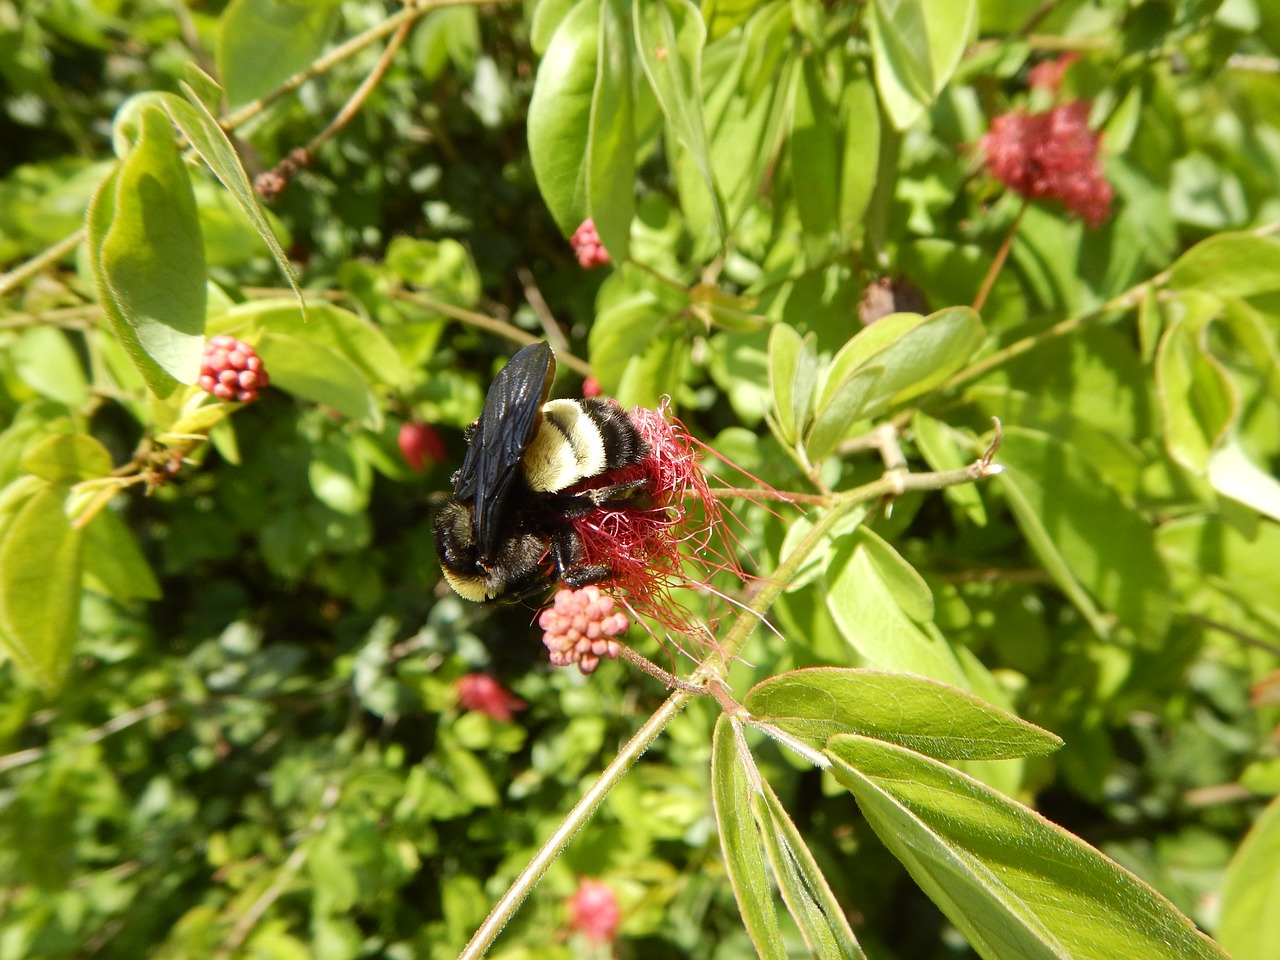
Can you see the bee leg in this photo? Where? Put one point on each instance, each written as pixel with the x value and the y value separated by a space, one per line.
pixel 566 553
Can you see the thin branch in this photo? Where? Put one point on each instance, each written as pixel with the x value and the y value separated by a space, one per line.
pixel 25 271
pixel 1248 639
pixel 997 264
pixel 489 324
pixel 543 312
pixel 652 669
pixel 125 720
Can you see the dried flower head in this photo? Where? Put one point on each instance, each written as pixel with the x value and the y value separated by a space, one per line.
pixel 1051 156
pixel 594 912
pixel 579 627
pixel 587 246
pixel 479 691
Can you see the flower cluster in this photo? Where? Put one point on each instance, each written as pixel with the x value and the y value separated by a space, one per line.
pixel 593 911
pixel 587 246
pixel 1051 156
pixel 420 445
pixel 232 370
pixel 579 627
pixel 481 692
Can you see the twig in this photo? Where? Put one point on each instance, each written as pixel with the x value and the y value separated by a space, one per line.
pixel 125 720
pixel 997 264
pixel 25 271
pixel 542 311
pixel 655 671
pixel 1248 639
pixel 483 322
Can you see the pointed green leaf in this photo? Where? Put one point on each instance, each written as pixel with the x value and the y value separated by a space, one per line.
pixel 264 42
pixel 1017 886
pixel 744 852
pixel 840 409
pixel 149 255
pixel 670 37
pixel 815 158
pixel 916 46
pixel 40 587
pixel 813 906
pixel 793 375
pixel 46 360
pixel 917 353
pixel 559 124
pixel 215 149
pixel 939 444
pixel 860 125
pixel 67 458
pixel 925 715
pixel 611 143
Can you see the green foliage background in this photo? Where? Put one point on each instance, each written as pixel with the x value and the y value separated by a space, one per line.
pixel 227 719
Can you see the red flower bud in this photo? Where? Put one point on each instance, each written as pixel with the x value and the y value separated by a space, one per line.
pixel 232 370
pixel 593 911
pixel 420 445
pixel 481 692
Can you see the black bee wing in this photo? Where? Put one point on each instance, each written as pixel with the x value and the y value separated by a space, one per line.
pixel 498 441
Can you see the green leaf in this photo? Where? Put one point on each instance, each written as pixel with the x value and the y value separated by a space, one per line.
pixel 916 46
pixel 917 354
pixel 1197 400
pixel 1229 265
pixel 1250 924
pixel 345 333
pixel 840 409
pixel 611 141
pixel 264 42
pixel 314 372
pixel 1017 886
pixel 67 458
pixel 670 36
pixel 45 359
pixel 559 123
pixel 815 157
pixel 860 125
pixel 113 562
pixel 149 255
pixel 793 375
pixel 40 587
pixel 813 906
pixel 339 479
pixel 924 715
pixel 547 17
pixel 1097 547
pixel 875 624
pixel 621 332
pixel 1233 474
pixel 732 772
pixel 209 140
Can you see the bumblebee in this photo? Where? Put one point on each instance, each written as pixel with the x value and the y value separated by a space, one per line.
pixel 506 533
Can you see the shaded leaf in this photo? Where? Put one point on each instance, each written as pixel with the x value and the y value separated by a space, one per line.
pixel 314 372
pixel 1098 548
pixel 1250 925
pixel 67 458
pixel 113 562
pixel 263 42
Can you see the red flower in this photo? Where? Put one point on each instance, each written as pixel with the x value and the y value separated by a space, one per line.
pixel 593 911
pixel 1048 74
pixel 580 626
pixel 587 246
pixel 479 691
pixel 1051 156
pixel 232 370
pixel 420 445
pixel 591 387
